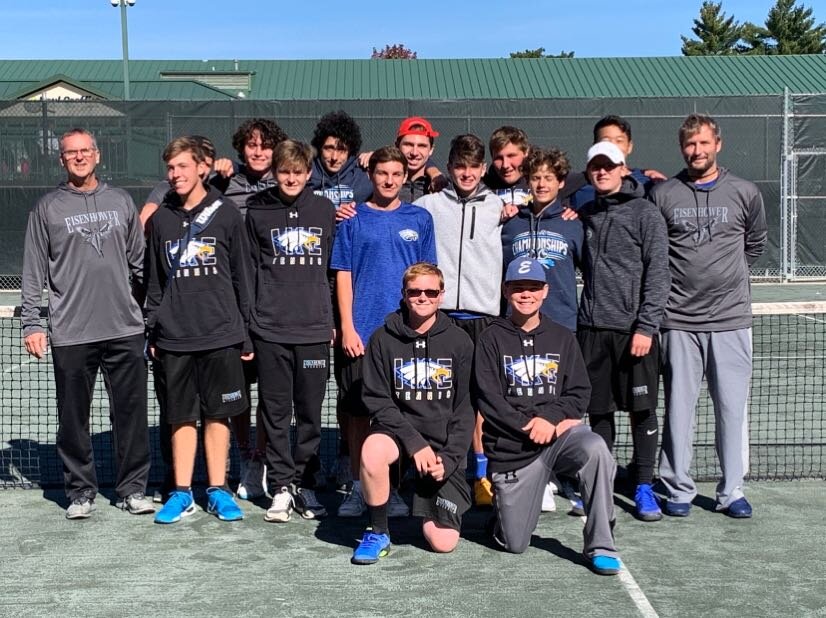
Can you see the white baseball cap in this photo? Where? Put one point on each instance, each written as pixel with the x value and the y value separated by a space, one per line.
pixel 606 149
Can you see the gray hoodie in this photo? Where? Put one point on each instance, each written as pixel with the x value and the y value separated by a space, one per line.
pixel 468 248
pixel 714 235
pixel 83 246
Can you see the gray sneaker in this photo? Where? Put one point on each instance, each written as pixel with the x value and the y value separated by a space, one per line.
pixel 81 508
pixel 136 503
pixel 282 506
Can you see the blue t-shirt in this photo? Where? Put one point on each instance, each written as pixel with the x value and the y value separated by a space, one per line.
pixel 376 246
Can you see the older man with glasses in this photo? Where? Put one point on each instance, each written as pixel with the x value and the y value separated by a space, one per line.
pixel 85 243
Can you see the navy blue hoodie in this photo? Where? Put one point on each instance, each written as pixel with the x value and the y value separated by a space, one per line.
pixel 557 244
pixel 290 246
pixel 198 286
pixel 350 184
pixel 418 386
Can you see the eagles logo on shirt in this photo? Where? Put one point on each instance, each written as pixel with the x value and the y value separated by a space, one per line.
pixel 535 374
pixel 423 378
pixel 297 245
pixel 409 235
pixel 197 259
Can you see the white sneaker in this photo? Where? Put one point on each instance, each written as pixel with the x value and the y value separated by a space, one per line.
pixel 353 504
pixel 254 481
pixel 397 507
pixel 281 507
pixel 548 504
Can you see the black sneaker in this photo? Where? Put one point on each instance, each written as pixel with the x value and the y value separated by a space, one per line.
pixel 307 505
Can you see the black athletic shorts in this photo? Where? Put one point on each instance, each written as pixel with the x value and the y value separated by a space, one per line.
pixel 619 381
pixel 350 385
pixel 207 384
pixel 474 326
pixel 441 501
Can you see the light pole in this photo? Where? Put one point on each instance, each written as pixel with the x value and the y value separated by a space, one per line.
pixel 125 37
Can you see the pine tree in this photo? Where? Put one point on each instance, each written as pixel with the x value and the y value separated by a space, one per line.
pixel 718 35
pixel 789 29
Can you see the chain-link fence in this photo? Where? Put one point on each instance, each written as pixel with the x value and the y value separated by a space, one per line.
pixel 775 141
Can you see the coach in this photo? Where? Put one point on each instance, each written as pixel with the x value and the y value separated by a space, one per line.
pixel 84 241
pixel 716 230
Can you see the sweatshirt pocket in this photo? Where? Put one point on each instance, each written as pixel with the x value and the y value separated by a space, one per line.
pixel 297 304
pixel 195 314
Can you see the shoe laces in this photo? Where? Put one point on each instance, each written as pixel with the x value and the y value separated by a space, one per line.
pixel 645 498
pixel 179 496
pixel 372 541
pixel 282 500
pixel 309 497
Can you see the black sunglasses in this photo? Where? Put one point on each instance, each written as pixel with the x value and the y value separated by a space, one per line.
pixel 415 293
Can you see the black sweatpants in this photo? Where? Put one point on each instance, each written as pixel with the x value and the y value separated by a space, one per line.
pixel 124 373
pixel 292 376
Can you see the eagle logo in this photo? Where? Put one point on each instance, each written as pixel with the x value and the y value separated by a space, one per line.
pixel 96 237
pixel 409 235
pixel 297 242
pixel 532 370
pixel 197 252
pixel 423 373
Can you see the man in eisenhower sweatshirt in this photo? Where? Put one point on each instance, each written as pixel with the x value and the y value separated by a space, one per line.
pixel 716 230
pixel 197 314
pixel 533 391
pixel 468 223
pixel 291 233
pixel 417 388
pixel 85 242
pixel 626 281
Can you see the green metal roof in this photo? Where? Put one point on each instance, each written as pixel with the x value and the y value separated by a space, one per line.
pixel 440 79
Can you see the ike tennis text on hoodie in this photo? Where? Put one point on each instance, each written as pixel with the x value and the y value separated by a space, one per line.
pixel 87 247
pixel 715 232
pixel 417 386
pixel 198 293
pixel 624 262
pixel 290 246
pixel 519 375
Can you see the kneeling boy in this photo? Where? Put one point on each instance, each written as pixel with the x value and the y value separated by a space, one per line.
pixel 416 388
pixel 197 315
pixel 533 390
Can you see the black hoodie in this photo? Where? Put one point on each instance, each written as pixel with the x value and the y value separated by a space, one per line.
pixel 290 246
pixel 417 386
pixel 519 375
pixel 197 297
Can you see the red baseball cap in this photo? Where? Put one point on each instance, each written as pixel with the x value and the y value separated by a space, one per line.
pixel 405 128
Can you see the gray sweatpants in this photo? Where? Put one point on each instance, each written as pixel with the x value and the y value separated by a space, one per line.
pixel 580 454
pixel 725 360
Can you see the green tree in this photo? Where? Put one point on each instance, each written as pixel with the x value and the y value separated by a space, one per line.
pixel 789 29
pixel 394 52
pixel 539 52
pixel 717 35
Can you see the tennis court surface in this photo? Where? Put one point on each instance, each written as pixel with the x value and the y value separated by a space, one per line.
pixel 704 565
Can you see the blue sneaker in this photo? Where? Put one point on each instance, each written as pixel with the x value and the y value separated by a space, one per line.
pixel 646 505
pixel 372 547
pixel 221 504
pixel 604 565
pixel 677 509
pixel 739 509
pixel 180 504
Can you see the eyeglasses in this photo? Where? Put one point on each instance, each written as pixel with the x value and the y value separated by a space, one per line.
pixel 84 152
pixel 415 293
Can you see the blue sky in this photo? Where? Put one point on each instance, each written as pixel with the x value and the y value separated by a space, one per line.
pixel 279 29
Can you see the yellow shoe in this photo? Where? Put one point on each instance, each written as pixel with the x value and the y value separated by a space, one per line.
pixel 482 492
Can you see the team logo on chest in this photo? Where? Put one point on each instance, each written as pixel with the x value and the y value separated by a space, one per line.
pixel 297 245
pixel 196 260
pixel 530 375
pixel 423 378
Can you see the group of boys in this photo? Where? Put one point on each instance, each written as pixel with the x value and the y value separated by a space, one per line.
pixel 253 270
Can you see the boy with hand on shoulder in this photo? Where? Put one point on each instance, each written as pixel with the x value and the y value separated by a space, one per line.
pixel 533 391
pixel 416 388
pixel 197 316
pixel 291 233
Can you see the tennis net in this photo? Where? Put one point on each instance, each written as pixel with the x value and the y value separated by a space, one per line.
pixel 786 421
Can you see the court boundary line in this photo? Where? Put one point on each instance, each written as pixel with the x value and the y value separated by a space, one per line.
pixel 632 588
